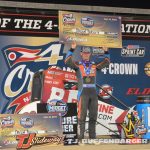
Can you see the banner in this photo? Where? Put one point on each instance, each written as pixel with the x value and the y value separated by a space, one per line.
pixel 136 28
pixel 24 131
pixel 28 24
pixel 90 29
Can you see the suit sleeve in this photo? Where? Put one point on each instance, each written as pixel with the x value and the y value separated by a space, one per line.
pixel 69 61
pixel 105 62
pixel 37 84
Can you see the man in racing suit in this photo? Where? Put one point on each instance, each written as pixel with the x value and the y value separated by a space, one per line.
pixel 86 74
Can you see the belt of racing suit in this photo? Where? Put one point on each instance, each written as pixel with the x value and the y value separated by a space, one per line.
pixel 89 86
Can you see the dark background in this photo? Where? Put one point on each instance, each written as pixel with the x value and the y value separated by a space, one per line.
pixel 111 3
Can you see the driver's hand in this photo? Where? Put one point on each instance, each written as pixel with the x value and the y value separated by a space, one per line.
pixel 73 45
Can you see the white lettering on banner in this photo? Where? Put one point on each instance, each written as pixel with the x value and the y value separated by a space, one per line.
pixel 126 52
pixel 18 73
pixel 59 94
pixel 135 28
pixel 27 24
pixel 116 141
pixel 121 69
pixel 69 39
pixel 7 142
pixel 56 93
pixel 68 69
pixel 49 25
pixel 4 22
pixel 72 95
pixel 68 128
pixel 68 122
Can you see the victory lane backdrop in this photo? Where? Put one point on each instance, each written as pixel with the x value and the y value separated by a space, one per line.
pixel 21 56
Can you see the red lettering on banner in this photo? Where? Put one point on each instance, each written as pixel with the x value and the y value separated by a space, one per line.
pixel 106 109
pixel 137 91
pixel 146 91
pixel 25 137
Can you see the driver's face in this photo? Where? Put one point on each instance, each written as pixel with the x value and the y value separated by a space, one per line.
pixel 85 56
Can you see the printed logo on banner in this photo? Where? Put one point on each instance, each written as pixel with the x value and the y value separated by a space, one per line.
pixel 7 122
pixel 133 51
pixel 147 69
pixel 133 126
pixel 26 122
pixel 26 141
pixel 106 88
pixel 87 22
pixel 16 55
pixel 68 19
pixel 20 60
pixel 57 107
pixel 138 91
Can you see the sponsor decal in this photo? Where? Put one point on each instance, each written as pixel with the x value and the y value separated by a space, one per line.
pixel 68 19
pixel 133 127
pixel 26 141
pixel 121 69
pixel 133 51
pixel 140 129
pixel 107 88
pixel 57 107
pixel 87 22
pixel 147 69
pixel 7 122
pixel 26 122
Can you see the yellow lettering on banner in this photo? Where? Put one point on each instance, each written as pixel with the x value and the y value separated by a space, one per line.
pixel 54 58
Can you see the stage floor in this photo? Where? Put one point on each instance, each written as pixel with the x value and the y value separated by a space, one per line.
pixel 94 147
